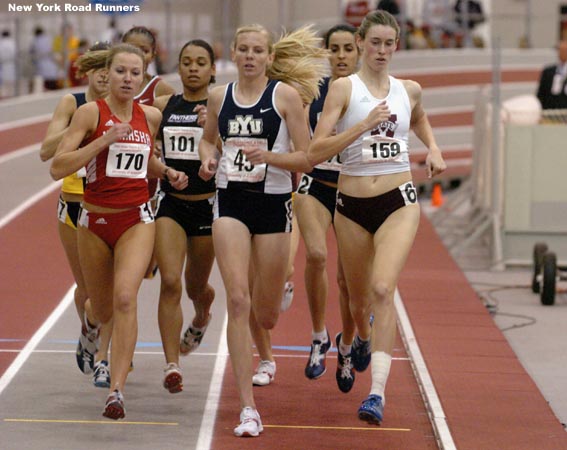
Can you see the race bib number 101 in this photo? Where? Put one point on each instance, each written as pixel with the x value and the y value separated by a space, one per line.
pixel 182 142
pixel 127 160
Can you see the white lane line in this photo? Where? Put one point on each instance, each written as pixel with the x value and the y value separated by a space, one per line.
pixel 160 354
pixel 23 122
pixel 28 203
pixel 213 396
pixel 427 388
pixel 20 152
pixel 35 340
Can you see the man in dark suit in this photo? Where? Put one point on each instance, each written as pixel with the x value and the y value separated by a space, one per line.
pixel 552 90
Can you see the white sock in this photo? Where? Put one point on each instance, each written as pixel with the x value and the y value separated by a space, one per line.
pixel 381 363
pixel 343 348
pixel 320 336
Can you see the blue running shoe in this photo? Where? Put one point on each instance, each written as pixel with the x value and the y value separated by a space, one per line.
pixel 316 365
pixel 87 348
pixel 372 410
pixel 345 371
pixel 360 354
pixel 101 376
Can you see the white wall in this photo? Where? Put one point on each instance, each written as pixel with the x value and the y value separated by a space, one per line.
pixel 510 20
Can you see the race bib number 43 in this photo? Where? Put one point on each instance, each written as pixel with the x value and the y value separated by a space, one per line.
pixel 383 149
pixel 127 160
pixel 238 167
pixel 182 142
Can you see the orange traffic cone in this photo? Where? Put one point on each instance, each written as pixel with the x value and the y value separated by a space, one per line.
pixel 437 195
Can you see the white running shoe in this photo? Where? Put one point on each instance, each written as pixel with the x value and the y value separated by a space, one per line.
pixel 101 376
pixel 287 296
pixel 265 373
pixel 172 378
pixel 250 423
pixel 192 338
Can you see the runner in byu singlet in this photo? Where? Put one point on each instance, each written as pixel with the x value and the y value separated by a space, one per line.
pixel 377 213
pixel 184 218
pixel 256 118
pixel 113 138
pixel 258 125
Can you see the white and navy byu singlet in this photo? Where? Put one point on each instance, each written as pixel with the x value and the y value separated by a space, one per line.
pixel 180 136
pixel 328 170
pixel 384 150
pixel 258 125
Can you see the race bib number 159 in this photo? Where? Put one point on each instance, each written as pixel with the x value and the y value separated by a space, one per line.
pixel 382 149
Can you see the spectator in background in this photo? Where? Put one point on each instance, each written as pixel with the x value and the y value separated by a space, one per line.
pixel 473 15
pixel 415 38
pixel 66 50
pixel 355 11
pixel 75 81
pixel 7 64
pixel 447 39
pixel 160 59
pixel 112 34
pixel 552 89
pixel 438 16
pixel 390 6
pixel 222 63
pixel 43 60
pixel 428 36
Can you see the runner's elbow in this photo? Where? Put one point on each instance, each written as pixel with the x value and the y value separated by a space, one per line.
pixel 55 172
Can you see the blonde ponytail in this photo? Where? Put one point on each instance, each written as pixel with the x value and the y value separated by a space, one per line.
pixel 300 61
pixel 91 60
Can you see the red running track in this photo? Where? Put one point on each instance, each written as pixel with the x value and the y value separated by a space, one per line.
pixel 489 400
pixel 35 274
pixel 301 413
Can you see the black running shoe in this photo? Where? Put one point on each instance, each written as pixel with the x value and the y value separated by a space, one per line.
pixel 345 372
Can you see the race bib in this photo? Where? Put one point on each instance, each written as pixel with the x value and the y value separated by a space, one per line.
pixel 182 142
pixel 127 160
pixel 381 149
pixel 304 184
pixel 238 167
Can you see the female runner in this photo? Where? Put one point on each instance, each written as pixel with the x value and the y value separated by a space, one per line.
pixel 377 213
pixel 315 210
pixel 93 65
pixel 256 117
pixel 184 218
pixel 114 139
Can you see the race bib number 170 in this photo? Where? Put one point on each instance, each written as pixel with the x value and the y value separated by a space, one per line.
pixel 127 160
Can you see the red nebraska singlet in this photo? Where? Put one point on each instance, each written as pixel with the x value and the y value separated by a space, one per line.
pixel 116 177
pixel 147 96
